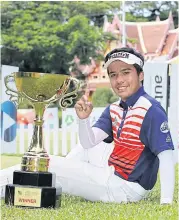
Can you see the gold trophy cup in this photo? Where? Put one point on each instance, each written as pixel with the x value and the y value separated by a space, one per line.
pixel 33 185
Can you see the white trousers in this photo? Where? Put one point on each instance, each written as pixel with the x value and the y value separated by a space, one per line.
pixel 86 173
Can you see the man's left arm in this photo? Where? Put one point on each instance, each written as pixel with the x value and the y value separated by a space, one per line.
pixel 160 143
pixel 167 176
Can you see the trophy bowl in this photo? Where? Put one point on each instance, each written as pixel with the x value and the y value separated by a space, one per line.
pixel 40 89
pixel 35 84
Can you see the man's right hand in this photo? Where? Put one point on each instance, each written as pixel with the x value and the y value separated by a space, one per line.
pixel 83 107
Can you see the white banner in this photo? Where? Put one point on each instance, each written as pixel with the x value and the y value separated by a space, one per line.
pixel 70 118
pixel 173 113
pixel 51 117
pixel 155 81
pixel 8 112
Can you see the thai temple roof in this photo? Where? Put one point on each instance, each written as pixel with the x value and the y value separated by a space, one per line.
pixel 154 39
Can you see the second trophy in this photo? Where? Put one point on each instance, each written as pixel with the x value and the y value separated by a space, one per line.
pixel 33 185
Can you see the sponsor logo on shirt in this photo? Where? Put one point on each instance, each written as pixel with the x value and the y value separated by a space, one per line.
pixel 114 123
pixel 164 127
pixel 168 139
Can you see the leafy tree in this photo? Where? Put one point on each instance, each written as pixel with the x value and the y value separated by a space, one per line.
pixel 94 11
pixel 45 36
pixel 103 97
pixel 150 9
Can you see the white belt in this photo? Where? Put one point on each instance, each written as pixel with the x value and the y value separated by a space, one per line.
pixel 137 188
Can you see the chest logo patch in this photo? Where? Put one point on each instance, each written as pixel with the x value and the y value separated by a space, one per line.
pixel 115 122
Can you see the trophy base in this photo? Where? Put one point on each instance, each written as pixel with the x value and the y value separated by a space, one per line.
pixel 33 190
pixel 33 178
pixel 32 196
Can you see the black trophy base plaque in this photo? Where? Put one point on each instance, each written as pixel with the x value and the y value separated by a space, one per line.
pixel 33 190
pixel 33 178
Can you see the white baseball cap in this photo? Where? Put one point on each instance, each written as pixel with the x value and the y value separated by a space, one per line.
pixel 125 57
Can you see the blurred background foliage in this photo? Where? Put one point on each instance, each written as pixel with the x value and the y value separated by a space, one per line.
pixel 103 97
pixel 45 36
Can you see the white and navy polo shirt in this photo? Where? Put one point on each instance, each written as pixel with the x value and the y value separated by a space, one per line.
pixel 139 129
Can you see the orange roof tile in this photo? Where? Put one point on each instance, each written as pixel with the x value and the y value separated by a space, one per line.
pixel 132 32
pixel 171 40
pixel 154 36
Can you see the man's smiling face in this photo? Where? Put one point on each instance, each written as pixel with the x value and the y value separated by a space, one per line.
pixel 124 79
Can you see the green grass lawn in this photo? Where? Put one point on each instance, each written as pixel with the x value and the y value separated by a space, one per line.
pixel 7 161
pixel 76 208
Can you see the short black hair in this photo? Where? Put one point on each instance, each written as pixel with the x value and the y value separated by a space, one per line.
pixel 128 50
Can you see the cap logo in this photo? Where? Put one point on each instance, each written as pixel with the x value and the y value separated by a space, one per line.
pixel 119 55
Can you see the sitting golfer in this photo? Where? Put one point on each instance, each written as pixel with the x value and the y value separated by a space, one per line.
pixel 137 126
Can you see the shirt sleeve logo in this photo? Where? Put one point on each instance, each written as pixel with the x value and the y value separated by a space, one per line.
pixel 168 139
pixel 164 127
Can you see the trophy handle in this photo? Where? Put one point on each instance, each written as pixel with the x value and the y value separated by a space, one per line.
pixel 7 80
pixel 67 99
pixel 9 91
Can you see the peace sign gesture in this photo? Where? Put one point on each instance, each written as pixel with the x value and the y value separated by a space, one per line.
pixel 83 107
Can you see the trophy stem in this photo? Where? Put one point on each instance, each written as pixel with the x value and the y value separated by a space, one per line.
pixel 36 158
pixel 37 144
